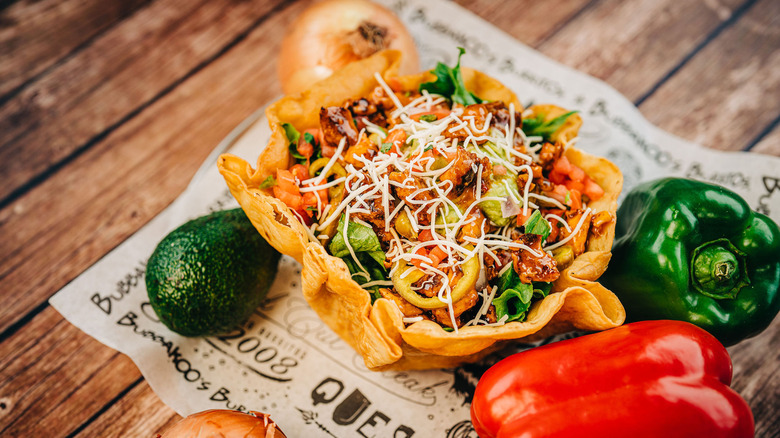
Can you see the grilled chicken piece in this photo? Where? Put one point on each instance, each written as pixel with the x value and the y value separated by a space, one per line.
pixel 442 315
pixel 530 267
pixel 411 190
pixel 406 307
pixel 461 173
pixel 336 123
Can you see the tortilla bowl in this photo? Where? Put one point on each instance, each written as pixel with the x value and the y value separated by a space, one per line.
pixel 377 331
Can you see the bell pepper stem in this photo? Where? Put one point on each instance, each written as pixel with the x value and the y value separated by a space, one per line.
pixel 718 269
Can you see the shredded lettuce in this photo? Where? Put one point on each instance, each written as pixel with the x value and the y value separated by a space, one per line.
pixel 368 251
pixel 515 296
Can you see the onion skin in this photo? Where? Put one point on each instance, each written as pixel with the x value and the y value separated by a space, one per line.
pixel 222 423
pixel 330 34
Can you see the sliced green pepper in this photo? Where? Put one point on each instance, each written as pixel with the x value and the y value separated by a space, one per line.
pixel 695 252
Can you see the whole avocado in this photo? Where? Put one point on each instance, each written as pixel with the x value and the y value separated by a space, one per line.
pixel 210 274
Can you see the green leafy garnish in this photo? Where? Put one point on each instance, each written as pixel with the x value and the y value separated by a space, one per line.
pixel 515 296
pixel 385 148
pixel 268 182
pixel 429 118
pixel 536 224
pixel 449 83
pixel 430 146
pixel 368 251
pixel 293 136
pixel 537 127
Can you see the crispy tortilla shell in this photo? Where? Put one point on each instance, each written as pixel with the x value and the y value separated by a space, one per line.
pixel 377 331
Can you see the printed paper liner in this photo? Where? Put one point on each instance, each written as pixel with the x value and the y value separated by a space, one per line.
pixel 377 331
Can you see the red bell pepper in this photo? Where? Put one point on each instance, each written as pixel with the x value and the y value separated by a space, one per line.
pixel 646 379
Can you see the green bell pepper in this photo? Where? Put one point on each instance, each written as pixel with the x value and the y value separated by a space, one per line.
pixel 695 252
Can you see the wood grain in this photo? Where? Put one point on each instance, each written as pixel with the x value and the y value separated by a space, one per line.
pixel 140 413
pixel 728 93
pixel 757 377
pixel 34 35
pixel 117 127
pixel 122 182
pixel 57 375
pixel 770 144
pixel 652 38
pixel 87 95
pixel 529 21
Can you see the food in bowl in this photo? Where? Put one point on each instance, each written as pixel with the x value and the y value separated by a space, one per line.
pixel 434 216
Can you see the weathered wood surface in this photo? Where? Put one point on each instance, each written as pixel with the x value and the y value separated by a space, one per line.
pixel 101 129
pixel 93 91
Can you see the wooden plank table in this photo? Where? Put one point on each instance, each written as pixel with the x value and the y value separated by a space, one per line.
pixel 107 108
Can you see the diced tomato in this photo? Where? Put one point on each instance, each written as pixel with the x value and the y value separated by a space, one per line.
pixel 300 171
pixel 593 191
pixel 291 200
pixel 425 236
pixel 304 147
pixel 577 174
pixel 559 193
pixel 305 215
pixel 562 166
pixel 310 199
pixel 575 199
pixel 420 252
pixel 285 181
pixel 556 177
pixel 397 137
pixel 574 185
pixel 555 211
pixel 437 255
pixel 523 218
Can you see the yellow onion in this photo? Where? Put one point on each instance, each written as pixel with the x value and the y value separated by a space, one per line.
pixel 225 424
pixel 330 34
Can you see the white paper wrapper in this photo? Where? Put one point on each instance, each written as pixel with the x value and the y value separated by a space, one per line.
pixel 284 361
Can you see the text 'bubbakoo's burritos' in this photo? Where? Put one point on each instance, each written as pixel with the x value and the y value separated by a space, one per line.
pixel 434 216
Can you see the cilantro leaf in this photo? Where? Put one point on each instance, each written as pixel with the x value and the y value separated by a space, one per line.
pixel 538 127
pixel 449 83
pixel 429 118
